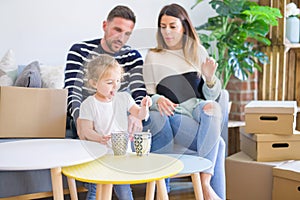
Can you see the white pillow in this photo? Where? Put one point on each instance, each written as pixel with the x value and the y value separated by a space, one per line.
pixel 5 80
pixel 52 76
pixel 8 65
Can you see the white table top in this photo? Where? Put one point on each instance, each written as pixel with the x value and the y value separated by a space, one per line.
pixel 32 154
pixel 128 169
pixel 192 164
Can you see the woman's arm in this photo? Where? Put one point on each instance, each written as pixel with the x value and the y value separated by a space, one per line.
pixel 212 87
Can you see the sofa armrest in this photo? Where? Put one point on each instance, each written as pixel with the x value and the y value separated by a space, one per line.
pixel 224 102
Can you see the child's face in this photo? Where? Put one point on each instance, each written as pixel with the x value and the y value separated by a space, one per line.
pixel 108 85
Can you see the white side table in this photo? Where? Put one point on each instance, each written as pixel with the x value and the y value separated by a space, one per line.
pixel 33 154
pixel 193 165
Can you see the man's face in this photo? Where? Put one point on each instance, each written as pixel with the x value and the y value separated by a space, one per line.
pixel 116 34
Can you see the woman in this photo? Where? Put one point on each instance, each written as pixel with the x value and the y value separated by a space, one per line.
pixel 180 77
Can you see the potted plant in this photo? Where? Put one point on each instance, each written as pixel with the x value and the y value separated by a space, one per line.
pixel 237 31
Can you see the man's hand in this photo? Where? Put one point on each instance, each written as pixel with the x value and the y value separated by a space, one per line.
pixel 134 124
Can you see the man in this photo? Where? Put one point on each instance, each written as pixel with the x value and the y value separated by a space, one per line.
pixel 117 29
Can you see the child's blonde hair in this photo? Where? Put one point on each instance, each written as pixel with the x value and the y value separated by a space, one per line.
pixel 100 65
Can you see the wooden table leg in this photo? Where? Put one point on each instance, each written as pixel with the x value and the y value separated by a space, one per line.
pixel 57 185
pixel 150 189
pixel 99 191
pixel 106 191
pixel 162 193
pixel 197 186
pixel 72 188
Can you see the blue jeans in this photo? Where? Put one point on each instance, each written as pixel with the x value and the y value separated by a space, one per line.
pixel 123 192
pixel 200 134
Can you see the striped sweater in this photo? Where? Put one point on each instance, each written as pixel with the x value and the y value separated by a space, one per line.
pixel 75 81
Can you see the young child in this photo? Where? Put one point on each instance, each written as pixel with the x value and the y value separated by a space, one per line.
pixel 106 111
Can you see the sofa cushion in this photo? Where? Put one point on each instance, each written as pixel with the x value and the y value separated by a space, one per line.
pixel 7 65
pixel 30 76
pixel 52 76
pixel 5 80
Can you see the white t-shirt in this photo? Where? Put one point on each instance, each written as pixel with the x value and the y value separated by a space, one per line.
pixel 108 116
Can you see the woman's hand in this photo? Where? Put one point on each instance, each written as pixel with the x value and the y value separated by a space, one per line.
pixel 165 106
pixel 208 69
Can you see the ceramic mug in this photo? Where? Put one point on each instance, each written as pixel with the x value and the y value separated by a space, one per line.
pixel 142 143
pixel 119 142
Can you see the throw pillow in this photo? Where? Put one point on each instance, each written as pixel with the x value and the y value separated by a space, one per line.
pixel 30 76
pixel 5 80
pixel 7 64
pixel 52 76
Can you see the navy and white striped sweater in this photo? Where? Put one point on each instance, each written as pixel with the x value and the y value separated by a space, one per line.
pixel 80 53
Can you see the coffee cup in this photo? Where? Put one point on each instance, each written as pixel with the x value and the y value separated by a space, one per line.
pixel 119 142
pixel 142 143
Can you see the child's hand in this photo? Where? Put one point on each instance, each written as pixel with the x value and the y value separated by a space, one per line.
pixel 104 139
pixel 146 101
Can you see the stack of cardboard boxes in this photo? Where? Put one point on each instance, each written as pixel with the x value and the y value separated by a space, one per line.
pixel 267 167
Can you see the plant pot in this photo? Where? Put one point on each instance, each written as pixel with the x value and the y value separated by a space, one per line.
pixel 292 29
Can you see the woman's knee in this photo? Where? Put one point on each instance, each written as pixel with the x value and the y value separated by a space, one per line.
pixel 212 108
pixel 209 108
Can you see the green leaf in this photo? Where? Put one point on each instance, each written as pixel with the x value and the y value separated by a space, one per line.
pixel 237 23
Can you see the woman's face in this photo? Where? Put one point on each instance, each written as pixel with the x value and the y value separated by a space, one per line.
pixel 172 31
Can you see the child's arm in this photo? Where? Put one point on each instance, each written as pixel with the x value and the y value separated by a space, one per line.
pixel 143 111
pixel 85 129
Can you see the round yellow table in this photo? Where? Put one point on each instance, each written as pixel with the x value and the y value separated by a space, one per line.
pixel 128 169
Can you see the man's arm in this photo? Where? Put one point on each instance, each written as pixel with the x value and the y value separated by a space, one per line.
pixel 132 63
pixel 74 80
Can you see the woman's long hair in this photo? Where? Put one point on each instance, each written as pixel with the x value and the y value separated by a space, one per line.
pixel 190 42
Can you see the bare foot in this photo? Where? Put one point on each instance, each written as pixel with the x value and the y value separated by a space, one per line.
pixel 209 193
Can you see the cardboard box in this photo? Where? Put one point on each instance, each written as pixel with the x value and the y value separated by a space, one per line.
pixel 270 147
pixel 32 112
pixel 247 179
pixel 286 181
pixel 276 117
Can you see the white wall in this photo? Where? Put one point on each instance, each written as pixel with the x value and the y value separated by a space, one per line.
pixel 44 30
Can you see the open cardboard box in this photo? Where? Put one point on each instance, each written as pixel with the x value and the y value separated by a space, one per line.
pixel 247 179
pixel 32 112
pixel 286 181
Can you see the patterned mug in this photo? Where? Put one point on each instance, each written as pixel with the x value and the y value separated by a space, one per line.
pixel 142 143
pixel 119 142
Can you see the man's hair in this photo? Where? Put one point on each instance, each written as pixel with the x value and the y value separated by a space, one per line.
pixel 123 12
